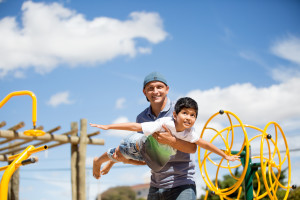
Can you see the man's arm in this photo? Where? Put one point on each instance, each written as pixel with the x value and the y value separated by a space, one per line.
pixel 168 138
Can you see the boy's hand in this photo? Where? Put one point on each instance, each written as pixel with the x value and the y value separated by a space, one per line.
pixel 104 127
pixel 232 157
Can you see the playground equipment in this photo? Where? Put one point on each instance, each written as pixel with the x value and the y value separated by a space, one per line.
pixel 271 162
pixel 34 131
pixel 18 160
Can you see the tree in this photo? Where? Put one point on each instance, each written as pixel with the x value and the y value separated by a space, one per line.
pixel 228 181
pixel 118 193
pixel 294 194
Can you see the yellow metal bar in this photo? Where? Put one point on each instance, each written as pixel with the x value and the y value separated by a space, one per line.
pixel 24 92
pixel 3 168
pixel 267 163
pixel 223 192
pixel 38 149
pixel 9 172
pixel 206 195
pixel 30 152
pixel 10 169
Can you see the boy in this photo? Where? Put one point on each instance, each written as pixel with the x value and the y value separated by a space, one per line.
pixel 181 126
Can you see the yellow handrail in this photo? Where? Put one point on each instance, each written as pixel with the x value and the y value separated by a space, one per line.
pixel 19 93
pixel 34 131
pixel 10 169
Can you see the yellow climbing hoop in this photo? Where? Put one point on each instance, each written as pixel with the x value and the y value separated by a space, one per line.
pixel 270 164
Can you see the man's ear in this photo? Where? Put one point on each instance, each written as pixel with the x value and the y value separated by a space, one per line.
pixel 167 89
pixel 144 91
pixel 174 115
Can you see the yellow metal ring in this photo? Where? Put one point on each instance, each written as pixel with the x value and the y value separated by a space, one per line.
pixel 202 163
pixel 269 163
pixel 34 132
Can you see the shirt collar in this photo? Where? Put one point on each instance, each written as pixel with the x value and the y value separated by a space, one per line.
pixel 166 109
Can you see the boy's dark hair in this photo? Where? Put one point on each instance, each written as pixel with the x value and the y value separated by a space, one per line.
pixel 186 102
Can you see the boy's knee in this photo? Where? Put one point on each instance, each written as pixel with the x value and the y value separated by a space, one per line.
pixel 118 155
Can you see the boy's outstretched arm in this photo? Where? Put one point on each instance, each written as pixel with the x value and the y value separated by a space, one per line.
pixel 131 126
pixel 209 146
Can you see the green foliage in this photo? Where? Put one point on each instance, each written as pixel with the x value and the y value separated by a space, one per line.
pixel 228 181
pixel 118 193
pixel 294 194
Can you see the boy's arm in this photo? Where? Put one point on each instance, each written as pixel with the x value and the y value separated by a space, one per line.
pixel 168 138
pixel 131 126
pixel 134 162
pixel 209 146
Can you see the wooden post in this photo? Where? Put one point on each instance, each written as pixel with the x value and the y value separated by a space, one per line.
pixel 74 158
pixel 13 186
pixel 81 159
pixel 78 150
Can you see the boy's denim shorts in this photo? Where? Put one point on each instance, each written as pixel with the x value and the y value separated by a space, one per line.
pixel 128 147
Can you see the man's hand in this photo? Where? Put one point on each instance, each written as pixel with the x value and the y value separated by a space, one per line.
pixel 164 137
pixel 169 139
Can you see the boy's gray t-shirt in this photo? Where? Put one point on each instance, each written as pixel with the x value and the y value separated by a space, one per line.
pixel 166 173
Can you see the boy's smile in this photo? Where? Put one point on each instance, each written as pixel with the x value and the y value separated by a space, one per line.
pixel 185 119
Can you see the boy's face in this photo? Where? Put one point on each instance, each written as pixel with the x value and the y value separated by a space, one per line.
pixel 156 92
pixel 185 119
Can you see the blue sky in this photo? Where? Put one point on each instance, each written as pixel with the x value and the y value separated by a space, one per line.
pixel 87 59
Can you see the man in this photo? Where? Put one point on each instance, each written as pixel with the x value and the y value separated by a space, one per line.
pixel 176 179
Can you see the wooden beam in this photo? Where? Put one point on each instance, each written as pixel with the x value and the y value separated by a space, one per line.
pixel 48 137
pixel 14 128
pixel 29 140
pixel 40 128
pixel 54 129
pixel 17 127
pixel 5 141
pixel 55 145
pixel 2 124
pixel 93 134
pixel 3 158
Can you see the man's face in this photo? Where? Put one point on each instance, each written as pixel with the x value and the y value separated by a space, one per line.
pixel 156 91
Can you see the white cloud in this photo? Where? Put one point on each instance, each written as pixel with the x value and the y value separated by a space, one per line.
pixel 50 34
pixel 145 50
pixel 283 74
pixel 59 98
pixel 255 106
pixel 288 48
pixel 120 103
pixel 251 56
